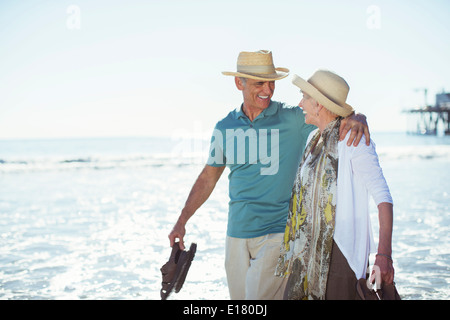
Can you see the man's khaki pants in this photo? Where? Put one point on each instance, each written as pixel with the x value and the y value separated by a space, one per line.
pixel 250 267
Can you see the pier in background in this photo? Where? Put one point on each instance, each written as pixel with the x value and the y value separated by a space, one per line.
pixel 431 119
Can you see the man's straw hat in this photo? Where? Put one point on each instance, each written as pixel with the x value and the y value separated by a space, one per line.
pixel 257 65
pixel 328 89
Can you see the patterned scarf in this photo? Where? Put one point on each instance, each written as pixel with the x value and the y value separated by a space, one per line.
pixel 308 239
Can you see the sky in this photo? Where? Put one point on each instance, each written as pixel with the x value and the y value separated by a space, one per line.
pixel 153 68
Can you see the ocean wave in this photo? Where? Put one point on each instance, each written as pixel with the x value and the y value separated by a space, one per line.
pixel 41 164
pixel 431 152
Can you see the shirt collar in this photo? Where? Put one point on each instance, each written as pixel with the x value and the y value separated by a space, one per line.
pixel 269 111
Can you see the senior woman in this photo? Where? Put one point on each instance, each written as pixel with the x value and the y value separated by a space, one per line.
pixel 328 235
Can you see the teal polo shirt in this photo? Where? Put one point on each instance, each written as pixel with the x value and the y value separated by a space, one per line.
pixel 263 156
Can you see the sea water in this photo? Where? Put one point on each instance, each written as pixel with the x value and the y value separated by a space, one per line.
pixel 89 218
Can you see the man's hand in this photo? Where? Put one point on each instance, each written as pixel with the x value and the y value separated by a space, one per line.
pixel 358 125
pixel 178 231
pixel 385 268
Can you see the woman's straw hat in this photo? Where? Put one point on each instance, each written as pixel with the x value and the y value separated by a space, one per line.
pixel 257 65
pixel 328 89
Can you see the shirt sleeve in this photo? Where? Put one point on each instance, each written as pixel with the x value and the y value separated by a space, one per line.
pixel 366 166
pixel 216 155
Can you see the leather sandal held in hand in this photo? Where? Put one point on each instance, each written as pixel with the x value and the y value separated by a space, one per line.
pixel 175 270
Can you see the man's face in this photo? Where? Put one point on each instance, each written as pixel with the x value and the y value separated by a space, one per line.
pixel 257 94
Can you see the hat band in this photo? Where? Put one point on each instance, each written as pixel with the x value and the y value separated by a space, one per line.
pixel 267 69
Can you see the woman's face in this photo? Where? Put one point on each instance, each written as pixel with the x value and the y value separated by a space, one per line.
pixel 310 109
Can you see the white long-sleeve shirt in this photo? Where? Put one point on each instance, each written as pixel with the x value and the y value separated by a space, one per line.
pixel 359 174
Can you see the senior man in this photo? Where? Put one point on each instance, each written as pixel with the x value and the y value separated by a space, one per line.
pixel 262 143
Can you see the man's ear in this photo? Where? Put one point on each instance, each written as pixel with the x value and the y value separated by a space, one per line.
pixel 239 83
